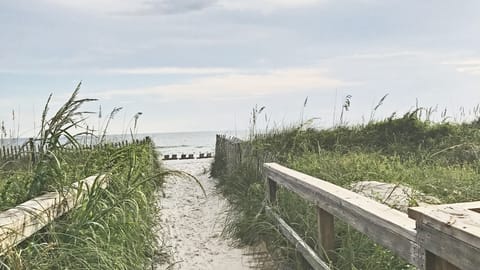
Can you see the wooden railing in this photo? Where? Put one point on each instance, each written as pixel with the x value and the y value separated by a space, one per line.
pixel 22 221
pixel 443 237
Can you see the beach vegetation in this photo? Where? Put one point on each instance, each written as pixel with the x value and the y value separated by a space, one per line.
pixel 439 159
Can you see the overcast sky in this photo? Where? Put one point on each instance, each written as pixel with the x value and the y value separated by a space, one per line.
pixel 204 64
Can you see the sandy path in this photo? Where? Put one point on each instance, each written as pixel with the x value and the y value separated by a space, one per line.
pixel 192 223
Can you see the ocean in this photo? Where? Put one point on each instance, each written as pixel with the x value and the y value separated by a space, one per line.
pixel 185 142
pixel 166 143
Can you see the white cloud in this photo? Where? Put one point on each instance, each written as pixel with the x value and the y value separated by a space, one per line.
pixel 266 5
pixel 110 6
pixel 391 54
pixel 237 85
pixel 469 66
pixel 169 71
pixel 179 6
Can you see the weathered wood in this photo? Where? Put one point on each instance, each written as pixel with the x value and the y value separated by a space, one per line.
pixel 271 190
pixel 452 219
pixel 450 232
pixel 19 223
pixel 307 252
pixel 433 262
pixel 326 234
pixel 386 226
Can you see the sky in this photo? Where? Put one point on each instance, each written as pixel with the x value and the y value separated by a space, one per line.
pixel 192 65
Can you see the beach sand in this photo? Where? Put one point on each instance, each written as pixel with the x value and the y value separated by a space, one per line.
pixel 192 223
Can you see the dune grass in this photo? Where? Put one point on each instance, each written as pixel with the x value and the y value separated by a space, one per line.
pixel 438 159
pixel 112 228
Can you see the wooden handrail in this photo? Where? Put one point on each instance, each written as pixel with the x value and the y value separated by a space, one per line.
pixel 386 226
pixel 22 221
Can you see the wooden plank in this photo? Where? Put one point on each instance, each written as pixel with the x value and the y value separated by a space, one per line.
pixel 21 222
pixel 454 220
pixel 307 252
pixel 326 234
pixel 472 206
pixel 386 226
pixel 454 254
pixel 450 234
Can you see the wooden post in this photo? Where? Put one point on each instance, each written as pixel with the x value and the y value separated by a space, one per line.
pixel 271 190
pixel 326 234
pixel 31 145
pixel 239 153
pixel 433 262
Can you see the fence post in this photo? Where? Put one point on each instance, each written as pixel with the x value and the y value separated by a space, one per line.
pixel 326 234
pixel 31 145
pixel 271 188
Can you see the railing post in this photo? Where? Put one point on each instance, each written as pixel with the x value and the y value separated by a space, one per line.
pixel 271 193
pixel 326 234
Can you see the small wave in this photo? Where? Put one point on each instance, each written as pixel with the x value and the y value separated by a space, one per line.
pixel 172 146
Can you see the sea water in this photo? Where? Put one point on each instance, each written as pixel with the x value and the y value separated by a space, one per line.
pixel 165 143
pixel 186 142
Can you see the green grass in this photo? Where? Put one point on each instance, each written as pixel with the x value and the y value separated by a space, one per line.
pixel 438 159
pixel 112 228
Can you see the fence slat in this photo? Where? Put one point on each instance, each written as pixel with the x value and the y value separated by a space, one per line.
pixel 308 253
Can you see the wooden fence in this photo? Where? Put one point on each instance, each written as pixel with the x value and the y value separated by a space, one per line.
pixel 441 237
pixel 30 149
pixel 187 156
